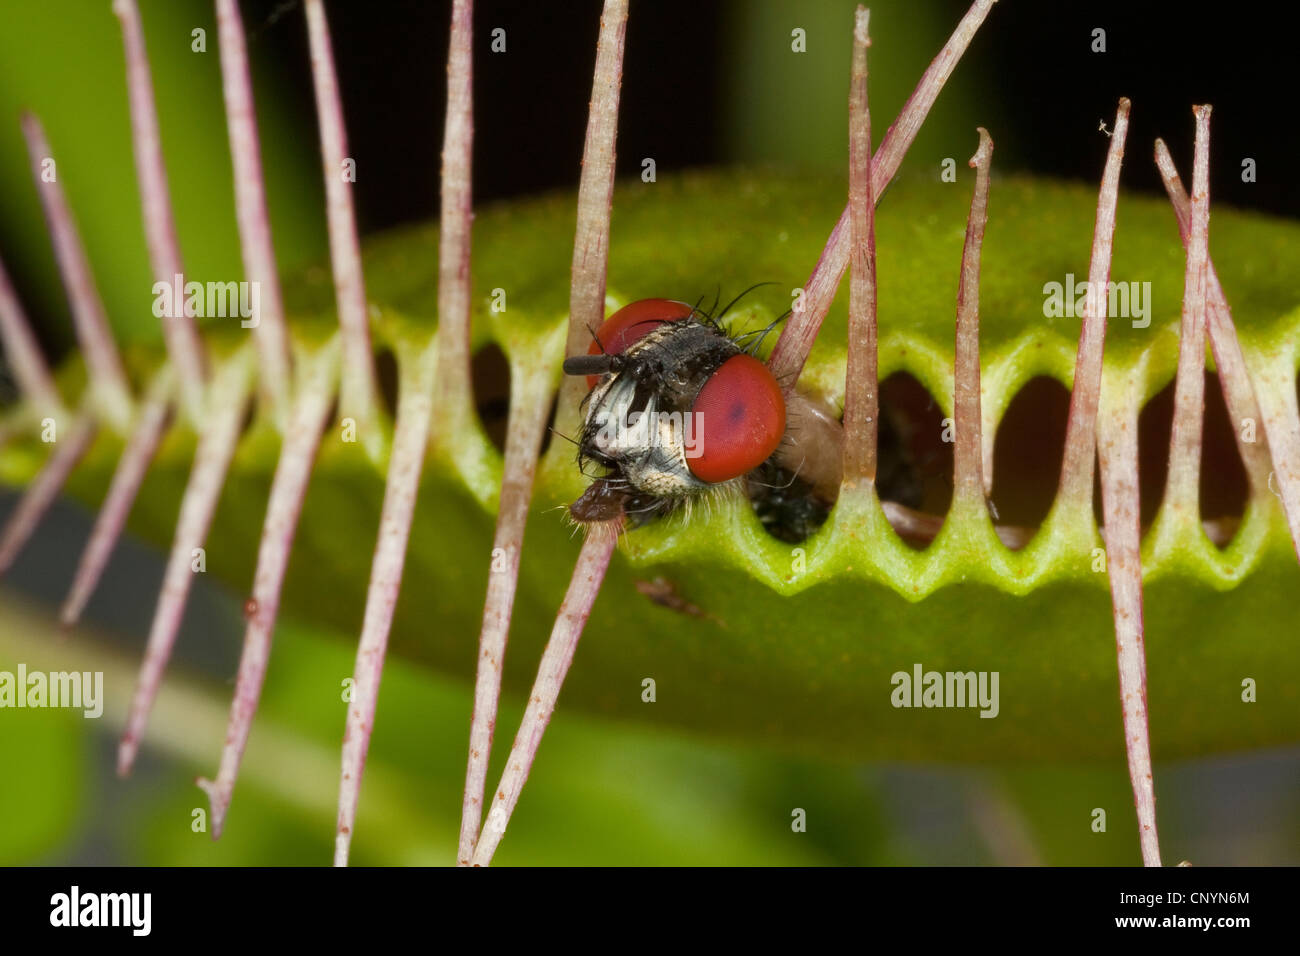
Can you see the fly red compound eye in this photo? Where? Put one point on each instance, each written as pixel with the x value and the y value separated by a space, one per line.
pixel 741 416
pixel 632 323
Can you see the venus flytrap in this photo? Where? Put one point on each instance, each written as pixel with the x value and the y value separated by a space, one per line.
pixel 588 575
pixel 595 195
pixel 358 391
pixel 1282 429
pixel 589 267
pixel 861 397
pixel 789 624
pixel 797 337
pixel 112 396
pixel 1180 508
pixel 316 389
pixel 35 383
pixel 42 492
pixel 1118 454
pixel 1115 440
pixel 445 387
pixel 410 438
pixel 530 394
pixel 153 417
pixel 184 346
pixel 275 378
pixel 968 494
pixel 586 308
pixel 1075 496
pixel 212 458
pixel 137 455
pixel 969 522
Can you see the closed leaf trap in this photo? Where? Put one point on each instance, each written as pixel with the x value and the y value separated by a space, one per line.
pixel 800 579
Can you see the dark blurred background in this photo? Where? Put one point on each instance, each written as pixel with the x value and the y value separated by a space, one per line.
pixel 705 83
pixel 1040 88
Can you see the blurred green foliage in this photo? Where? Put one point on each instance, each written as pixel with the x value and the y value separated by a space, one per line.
pixel 791 107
